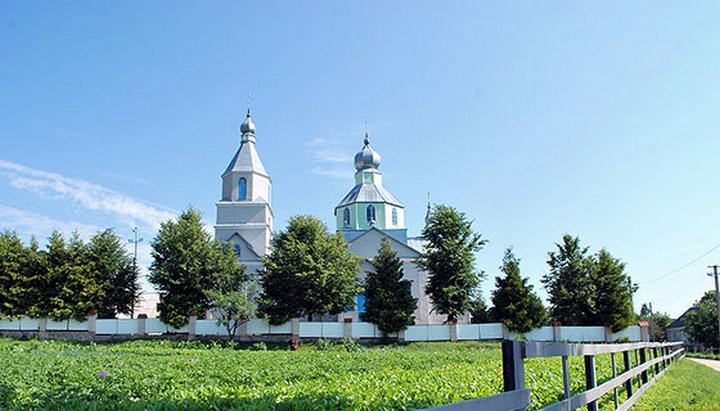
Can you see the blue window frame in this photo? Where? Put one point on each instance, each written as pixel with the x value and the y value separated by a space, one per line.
pixel 237 249
pixel 346 217
pixel 394 216
pixel 242 189
pixel 370 213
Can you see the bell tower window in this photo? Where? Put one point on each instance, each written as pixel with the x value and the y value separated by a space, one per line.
pixel 370 214
pixel 242 189
pixel 394 216
pixel 346 217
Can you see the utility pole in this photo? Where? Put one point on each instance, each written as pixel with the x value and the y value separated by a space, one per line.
pixel 717 292
pixel 135 240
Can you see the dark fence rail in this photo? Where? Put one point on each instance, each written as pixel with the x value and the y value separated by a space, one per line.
pixel 651 362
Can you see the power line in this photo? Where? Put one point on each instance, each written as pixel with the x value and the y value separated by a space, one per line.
pixel 675 271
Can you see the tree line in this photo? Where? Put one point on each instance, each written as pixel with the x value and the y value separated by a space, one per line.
pixel 68 279
pixel 310 272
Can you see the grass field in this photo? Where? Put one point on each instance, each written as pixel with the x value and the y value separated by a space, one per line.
pixel 686 386
pixel 166 375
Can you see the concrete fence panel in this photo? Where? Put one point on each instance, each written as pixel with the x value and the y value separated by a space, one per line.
pixel 209 327
pixel 540 334
pixel 365 330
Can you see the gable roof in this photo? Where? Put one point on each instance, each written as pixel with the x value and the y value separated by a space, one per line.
pixel 680 321
pixel 404 251
pixel 248 247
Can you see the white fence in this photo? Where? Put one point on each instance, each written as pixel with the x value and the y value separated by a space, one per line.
pixel 334 330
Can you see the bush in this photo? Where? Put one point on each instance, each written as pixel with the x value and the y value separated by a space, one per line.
pixel 258 346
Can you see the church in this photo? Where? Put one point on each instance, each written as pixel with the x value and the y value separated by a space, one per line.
pixel 366 215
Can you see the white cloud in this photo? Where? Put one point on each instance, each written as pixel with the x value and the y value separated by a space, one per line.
pixel 328 153
pixel 331 172
pixel 26 222
pixel 88 195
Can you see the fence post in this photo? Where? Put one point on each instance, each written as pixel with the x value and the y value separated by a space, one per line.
pixel 42 330
pixel 347 327
pixel 657 365
pixel 192 324
pixel 453 330
pixel 608 335
pixel 513 366
pixel 141 324
pixel 557 331
pixel 590 380
pixel 628 383
pixel 92 323
pixel 644 331
pixel 643 359
pixel 295 325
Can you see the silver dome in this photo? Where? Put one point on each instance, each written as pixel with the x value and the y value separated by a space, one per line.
pixel 247 126
pixel 367 157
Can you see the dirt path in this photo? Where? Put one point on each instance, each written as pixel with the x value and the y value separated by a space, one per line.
pixel 714 364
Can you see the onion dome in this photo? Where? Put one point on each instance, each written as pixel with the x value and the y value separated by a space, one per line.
pixel 367 157
pixel 247 126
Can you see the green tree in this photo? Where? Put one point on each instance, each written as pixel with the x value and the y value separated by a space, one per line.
pixel 19 272
pixel 449 260
pixel 233 293
pixel 657 322
pixel 67 289
pixel 186 262
pixel 514 302
pixel 112 268
pixel 702 324
pixel 568 283
pixel 612 302
pixel 309 272
pixel 389 303
pixel 479 312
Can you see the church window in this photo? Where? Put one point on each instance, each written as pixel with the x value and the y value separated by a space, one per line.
pixel 242 189
pixel 394 216
pixel 370 213
pixel 346 217
pixel 237 249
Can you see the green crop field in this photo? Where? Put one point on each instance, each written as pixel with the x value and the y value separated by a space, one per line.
pixel 167 375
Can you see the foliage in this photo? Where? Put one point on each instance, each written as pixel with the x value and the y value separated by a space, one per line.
pixel 309 272
pixel 449 260
pixel 20 270
pixel 588 290
pixel 657 322
pixel 195 375
pixel 686 386
pixel 259 346
pixel 187 263
pixel 234 307
pixel 389 303
pixel 612 302
pixel 514 302
pixel 702 324
pixel 68 279
pixel 479 312
pixel 568 283
pixel 112 268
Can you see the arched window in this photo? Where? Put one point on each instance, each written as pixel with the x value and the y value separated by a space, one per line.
pixel 346 217
pixel 237 249
pixel 242 189
pixel 370 214
pixel 394 216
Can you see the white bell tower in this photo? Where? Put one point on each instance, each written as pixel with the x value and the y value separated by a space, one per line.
pixel 244 213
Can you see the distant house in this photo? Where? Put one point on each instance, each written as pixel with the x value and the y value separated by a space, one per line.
pixel 676 330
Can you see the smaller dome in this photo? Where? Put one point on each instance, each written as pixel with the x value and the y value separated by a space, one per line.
pixel 367 157
pixel 247 126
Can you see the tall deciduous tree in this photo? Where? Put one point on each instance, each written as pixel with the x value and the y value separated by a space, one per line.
pixel 389 303
pixel 702 324
pixel 233 294
pixel 568 283
pixel 186 263
pixel 310 272
pixel 514 302
pixel 112 268
pixel 612 301
pixel 449 259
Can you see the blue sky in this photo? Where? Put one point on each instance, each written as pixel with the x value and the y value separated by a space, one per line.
pixel 598 119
